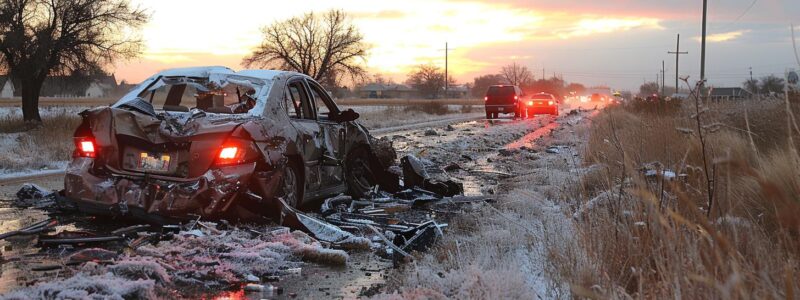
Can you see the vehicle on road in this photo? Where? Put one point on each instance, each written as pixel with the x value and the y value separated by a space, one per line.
pixel 597 98
pixel 502 99
pixel 540 104
pixel 212 142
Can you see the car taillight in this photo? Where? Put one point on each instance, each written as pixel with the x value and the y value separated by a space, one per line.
pixel 530 102
pixel 235 151
pixel 85 147
pixel 516 98
pixel 486 98
pixel 549 102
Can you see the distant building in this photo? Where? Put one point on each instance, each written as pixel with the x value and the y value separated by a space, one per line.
pixel 96 86
pixel 457 91
pixel 729 93
pixel 385 91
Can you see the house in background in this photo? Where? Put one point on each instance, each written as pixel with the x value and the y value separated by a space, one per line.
pixel 729 93
pixel 457 92
pixel 387 91
pixel 95 86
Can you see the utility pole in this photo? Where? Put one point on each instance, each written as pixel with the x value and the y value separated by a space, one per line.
pixel 543 73
pixel 751 74
pixel 677 62
pixel 662 79
pixel 446 83
pixel 703 48
pixel 446 67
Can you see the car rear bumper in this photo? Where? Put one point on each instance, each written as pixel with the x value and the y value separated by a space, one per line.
pixel 209 195
pixel 542 110
pixel 501 108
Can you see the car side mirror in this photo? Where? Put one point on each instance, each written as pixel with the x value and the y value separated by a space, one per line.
pixel 347 116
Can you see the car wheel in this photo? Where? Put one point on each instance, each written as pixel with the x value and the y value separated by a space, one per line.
pixel 291 189
pixel 358 173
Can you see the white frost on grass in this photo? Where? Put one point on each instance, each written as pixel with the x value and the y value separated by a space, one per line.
pixel 217 259
pixel 83 286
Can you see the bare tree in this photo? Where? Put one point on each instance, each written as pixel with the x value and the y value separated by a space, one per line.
pixel 517 74
pixel 482 83
pixel 427 79
pixel 772 84
pixel 321 46
pixel 751 85
pixel 44 37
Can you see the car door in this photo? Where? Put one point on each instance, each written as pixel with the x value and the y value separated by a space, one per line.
pixel 301 114
pixel 333 139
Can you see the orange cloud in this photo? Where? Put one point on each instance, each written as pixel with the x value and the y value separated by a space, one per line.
pixel 724 37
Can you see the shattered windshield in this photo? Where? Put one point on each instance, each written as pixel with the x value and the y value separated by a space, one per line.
pixel 223 94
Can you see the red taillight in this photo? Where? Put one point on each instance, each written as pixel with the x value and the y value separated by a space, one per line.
pixel 235 151
pixel 516 98
pixel 530 103
pixel 486 98
pixel 549 102
pixel 85 147
pixel 228 152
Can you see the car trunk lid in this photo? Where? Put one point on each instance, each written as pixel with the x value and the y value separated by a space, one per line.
pixel 176 144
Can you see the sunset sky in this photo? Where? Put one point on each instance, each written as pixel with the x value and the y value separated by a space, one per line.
pixel 620 43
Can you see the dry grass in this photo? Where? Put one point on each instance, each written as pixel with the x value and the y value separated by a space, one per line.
pixel 650 237
pixel 393 116
pixel 44 146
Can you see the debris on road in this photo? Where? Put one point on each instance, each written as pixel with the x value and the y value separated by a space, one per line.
pixel 34 228
pixel 431 132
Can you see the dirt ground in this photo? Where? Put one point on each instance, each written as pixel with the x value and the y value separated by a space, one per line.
pixel 483 155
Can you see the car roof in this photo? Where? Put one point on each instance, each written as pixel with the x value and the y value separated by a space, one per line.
pixel 205 71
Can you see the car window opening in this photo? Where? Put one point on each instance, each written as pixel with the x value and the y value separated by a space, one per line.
pixel 182 94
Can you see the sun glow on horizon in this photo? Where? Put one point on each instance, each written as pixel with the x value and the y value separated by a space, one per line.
pixel 401 35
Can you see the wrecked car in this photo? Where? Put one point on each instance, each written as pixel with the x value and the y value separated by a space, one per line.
pixel 212 142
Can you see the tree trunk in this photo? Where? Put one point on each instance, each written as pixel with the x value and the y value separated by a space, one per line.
pixel 30 91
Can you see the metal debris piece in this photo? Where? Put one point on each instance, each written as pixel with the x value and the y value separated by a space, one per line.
pixel 76 238
pixel 91 254
pixel 553 150
pixel 34 228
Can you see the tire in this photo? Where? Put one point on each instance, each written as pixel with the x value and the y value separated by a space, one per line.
pixel 358 173
pixel 291 185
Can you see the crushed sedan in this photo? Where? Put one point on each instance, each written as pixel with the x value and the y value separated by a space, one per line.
pixel 215 143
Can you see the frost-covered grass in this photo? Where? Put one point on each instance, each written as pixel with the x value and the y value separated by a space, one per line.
pixel 47 146
pixel 199 262
pixel 652 238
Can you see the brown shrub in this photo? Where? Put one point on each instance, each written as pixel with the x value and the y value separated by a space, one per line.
pixel 655 240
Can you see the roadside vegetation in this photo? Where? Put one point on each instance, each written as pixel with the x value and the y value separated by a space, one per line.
pixel 48 145
pixel 694 202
